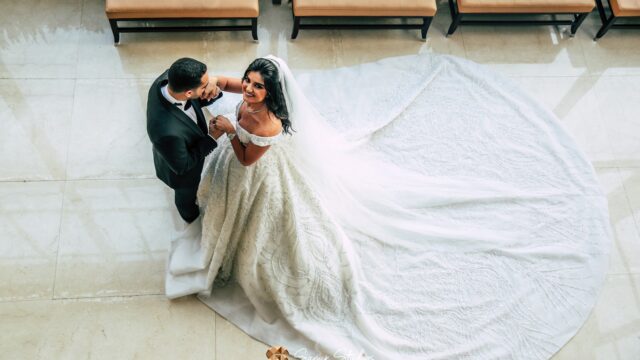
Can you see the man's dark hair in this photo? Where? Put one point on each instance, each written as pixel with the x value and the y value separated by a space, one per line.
pixel 185 74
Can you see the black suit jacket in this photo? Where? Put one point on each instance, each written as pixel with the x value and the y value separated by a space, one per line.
pixel 179 145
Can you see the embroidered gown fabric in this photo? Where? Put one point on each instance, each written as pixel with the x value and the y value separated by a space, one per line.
pixel 497 250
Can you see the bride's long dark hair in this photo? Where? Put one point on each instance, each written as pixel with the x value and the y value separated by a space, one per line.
pixel 275 100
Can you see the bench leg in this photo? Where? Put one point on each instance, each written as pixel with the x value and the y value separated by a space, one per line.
pixel 456 17
pixel 296 27
pixel 601 12
pixel 254 29
pixel 115 30
pixel 605 27
pixel 425 26
pixel 577 22
pixel 454 24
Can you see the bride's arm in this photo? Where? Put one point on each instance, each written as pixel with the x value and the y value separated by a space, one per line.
pixel 230 84
pixel 249 154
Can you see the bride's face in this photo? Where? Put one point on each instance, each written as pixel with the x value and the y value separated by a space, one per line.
pixel 253 90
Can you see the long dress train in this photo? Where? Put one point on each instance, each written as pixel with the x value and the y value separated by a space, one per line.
pixel 497 252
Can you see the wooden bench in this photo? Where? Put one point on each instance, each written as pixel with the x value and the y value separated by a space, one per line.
pixel 323 9
pixel 460 9
pixel 619 9
pixel 165 10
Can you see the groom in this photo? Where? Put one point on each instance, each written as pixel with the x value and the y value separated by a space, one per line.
pixel 178 130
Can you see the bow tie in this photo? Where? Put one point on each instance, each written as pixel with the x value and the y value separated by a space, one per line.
pixel 187 105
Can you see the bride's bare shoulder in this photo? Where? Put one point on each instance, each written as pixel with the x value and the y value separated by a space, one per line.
pixel 270 127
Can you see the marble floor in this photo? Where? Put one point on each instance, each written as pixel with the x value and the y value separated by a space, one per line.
pixel 84 223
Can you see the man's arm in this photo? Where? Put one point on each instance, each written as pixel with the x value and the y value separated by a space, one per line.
pixel 181 158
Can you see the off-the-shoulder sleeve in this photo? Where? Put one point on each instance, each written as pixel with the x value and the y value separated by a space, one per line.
pixel 265 141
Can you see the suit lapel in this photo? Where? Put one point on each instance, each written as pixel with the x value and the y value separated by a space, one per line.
pixel 200 116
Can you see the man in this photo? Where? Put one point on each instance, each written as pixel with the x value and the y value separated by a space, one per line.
pixel 178 130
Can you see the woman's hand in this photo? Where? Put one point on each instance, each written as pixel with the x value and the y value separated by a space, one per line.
pixel 215 133
pixel 222 123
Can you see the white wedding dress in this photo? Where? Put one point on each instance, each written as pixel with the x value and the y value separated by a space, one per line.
pixel 426 210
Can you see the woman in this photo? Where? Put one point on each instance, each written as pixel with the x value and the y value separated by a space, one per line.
pixel 328 247
pixel 262 113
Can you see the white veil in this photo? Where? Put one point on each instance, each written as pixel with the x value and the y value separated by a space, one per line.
pixel 375 197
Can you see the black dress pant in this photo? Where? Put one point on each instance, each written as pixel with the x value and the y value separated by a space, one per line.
pixel 186 203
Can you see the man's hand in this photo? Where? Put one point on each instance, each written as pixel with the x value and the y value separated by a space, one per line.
pixel 215 133
pixel 222 123
pixel 212 90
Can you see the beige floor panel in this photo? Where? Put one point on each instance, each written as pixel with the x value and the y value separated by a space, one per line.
pixel 29 228
pixel 108 328
pixel 114 238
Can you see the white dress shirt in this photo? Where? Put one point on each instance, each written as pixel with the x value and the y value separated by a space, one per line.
pixel 191 113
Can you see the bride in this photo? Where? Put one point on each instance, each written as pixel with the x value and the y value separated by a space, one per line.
pixel 338 241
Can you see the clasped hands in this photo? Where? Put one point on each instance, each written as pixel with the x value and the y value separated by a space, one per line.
pixel 220 125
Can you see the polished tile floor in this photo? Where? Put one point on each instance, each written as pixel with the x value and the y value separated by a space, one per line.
pixel 84 225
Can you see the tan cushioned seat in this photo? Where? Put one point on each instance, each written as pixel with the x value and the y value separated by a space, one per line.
pixel 525 6
pixel 626 7
pixel 417 8
pixel 165 9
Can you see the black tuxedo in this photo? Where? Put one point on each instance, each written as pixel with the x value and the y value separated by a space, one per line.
pixel 179 146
